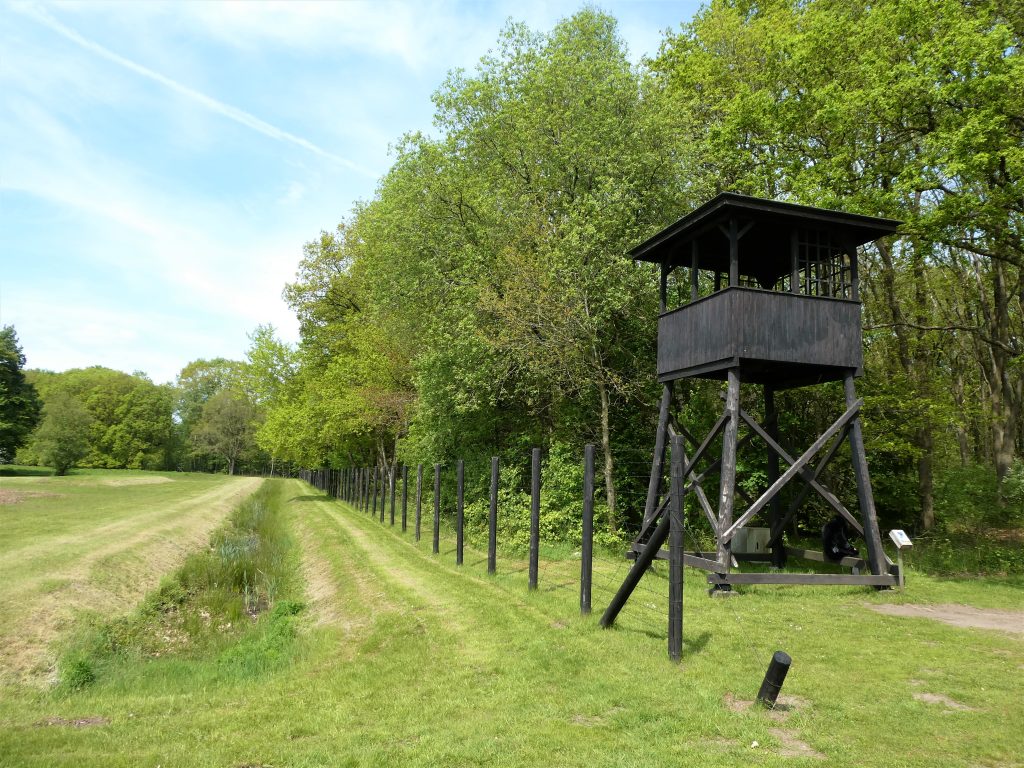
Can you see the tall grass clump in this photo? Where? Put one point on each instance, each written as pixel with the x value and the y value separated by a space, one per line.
pixel 227 602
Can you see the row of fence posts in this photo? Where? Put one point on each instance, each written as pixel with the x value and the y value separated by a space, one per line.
pixel 362 486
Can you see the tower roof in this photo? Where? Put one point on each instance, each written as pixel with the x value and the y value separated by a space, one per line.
pixel 764 248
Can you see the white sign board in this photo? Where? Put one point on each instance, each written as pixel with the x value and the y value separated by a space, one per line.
pixel 900 539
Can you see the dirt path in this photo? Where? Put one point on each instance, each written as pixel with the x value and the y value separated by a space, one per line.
pixel 107 569
pixel 960 616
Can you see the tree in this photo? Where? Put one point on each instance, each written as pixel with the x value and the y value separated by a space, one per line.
pixel 19 401
pixel 226 427
pixel 62 438
pixel 920 119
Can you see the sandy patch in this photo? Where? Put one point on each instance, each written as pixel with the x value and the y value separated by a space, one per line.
pixel 942 700
pixel 82 722
pixel 960 616
pixel 791 746
pixel 783 705
pixel 8 496
pixel 151 480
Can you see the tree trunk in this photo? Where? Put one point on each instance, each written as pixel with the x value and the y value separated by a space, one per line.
pixel 914 362
pixel 606 446
pixel 923 366
pixel 1006 392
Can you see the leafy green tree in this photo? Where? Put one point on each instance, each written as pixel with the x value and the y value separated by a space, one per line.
pixel 196 384
pixel 132 424
pixel 199 381
pixel 920 119
pixel 62 438
pixel 19 402
pixel 226 428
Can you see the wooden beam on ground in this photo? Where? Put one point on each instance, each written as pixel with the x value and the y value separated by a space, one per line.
pixel 843 579
pixel 819 557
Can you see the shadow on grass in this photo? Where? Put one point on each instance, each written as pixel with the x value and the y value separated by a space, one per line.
pixel 693 646
pixel 11 470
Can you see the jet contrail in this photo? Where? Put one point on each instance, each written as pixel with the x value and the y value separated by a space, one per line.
pixel 232 113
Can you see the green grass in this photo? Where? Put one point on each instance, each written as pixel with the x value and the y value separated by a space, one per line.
pixel 94 541
pixel 228 602
pixel 405 659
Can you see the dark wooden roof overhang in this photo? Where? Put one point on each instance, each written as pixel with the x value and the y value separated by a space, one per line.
pixel 766 229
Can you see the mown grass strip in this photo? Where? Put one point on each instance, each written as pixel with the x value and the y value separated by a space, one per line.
pixel 417 662
pixel 231 602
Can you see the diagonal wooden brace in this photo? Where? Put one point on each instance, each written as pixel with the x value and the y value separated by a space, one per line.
pixel 794 469
pixel 801 497
pixel 810 477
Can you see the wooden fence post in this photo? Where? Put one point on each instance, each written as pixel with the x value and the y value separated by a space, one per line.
pixel 437 508
pixel 419 497
pixel 460 517
pixel 405 495
pixel 587 550
pixel 376 474
pixel 534 517
pixel 675 553
pixel 492 520
pixel 383 492
pixel 393 481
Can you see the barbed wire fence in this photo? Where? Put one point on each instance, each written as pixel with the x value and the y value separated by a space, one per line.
pixel 446 509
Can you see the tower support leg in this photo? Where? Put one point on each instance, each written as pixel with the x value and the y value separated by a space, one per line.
pixel 869 518
pixel 658 462
pixel 727 486
pixel 771 424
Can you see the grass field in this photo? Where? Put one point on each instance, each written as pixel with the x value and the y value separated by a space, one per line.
pixel 405 659
pixel 92 541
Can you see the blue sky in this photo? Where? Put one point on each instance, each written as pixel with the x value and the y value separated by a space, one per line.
pixel 162 164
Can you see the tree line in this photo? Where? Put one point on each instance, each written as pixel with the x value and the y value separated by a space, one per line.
pixel 481 302
pixel 99 417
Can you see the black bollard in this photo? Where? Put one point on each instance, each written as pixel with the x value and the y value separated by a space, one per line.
pixel 773 678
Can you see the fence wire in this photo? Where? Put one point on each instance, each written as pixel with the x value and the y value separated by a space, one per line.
pixel 558 564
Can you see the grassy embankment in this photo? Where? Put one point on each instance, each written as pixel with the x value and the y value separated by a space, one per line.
pixel 92 542
pixel 404 660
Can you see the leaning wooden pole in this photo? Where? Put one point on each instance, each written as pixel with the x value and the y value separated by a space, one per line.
pixel 658 462
pixel 643 561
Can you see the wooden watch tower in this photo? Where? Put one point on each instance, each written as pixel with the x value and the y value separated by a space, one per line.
pixel 773 301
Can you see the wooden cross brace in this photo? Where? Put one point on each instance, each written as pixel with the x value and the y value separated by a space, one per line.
pixel 796 468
